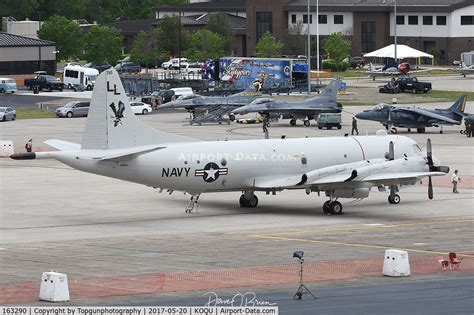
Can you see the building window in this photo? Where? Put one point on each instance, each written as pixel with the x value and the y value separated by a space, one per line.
pixel 264 23
pixel 305 19
pixel 427 20
pixel 400 20
pixel 440 20
pixel 412 20
pixel 338 19
pixel 323 19
pixel 293 18
pixel 368 36
pixel 467 19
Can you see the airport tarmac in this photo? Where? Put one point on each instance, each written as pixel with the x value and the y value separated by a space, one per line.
pixel 122 243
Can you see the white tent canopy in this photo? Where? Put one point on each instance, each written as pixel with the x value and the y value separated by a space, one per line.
pixel 403 51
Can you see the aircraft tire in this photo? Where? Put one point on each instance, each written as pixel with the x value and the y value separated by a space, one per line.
pixel 395 200
pixel 336 207
pixel 231 117
pixel 248 203
pixel 327 207
pixel 243 202
pixel 306 123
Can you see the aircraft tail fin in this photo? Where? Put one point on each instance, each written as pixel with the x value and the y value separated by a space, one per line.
pixel 331 90
pixel 372 67
pixel 111 123
pixel 459 106
pixel 255 88
pixel 463 65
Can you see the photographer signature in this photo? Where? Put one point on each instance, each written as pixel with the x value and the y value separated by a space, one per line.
pixel 240 299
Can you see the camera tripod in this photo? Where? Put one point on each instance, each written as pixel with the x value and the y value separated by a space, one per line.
pixel 302 289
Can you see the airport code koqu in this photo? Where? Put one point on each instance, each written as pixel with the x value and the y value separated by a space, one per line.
pixel 146 310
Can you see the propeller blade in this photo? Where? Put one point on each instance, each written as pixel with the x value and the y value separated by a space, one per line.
pixel 430 188
pixel 429 152
pixel 391 152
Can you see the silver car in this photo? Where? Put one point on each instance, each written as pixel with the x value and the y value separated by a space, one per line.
pixel 7 113
pixel 73 109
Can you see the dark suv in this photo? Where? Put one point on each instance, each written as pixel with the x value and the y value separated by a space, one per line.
pixel 128 67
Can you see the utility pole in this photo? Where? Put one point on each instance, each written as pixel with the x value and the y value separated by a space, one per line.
pixel 309 54
pixel 395 28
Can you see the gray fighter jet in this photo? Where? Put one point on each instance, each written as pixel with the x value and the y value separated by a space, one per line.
pixel 465 70
pixel 224 103
pixel 304 110
pixel 411 117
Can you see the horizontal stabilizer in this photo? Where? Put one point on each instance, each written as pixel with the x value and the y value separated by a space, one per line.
pixel 128 153
pixel 63 145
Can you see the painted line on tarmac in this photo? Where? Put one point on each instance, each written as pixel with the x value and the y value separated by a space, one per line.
pixel 355 245
pixel 368 227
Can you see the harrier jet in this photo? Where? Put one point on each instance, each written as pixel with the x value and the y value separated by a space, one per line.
pixel 417 118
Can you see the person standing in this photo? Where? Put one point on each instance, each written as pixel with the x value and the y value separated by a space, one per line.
pixel 455 180
pixel 29 145
pixel 354 126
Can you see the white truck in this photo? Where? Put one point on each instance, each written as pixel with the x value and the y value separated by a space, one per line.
pixel 75 75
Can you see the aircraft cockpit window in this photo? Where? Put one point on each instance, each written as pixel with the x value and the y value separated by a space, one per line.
pixel 261 101
pixel 380 106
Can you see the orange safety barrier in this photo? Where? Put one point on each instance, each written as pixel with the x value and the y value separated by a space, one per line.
pixel 220 278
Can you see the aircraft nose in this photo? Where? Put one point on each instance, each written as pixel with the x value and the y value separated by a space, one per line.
pixel 363 115
pixel 241 110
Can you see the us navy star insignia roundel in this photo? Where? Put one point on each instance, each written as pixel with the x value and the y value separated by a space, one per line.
pixel 211 172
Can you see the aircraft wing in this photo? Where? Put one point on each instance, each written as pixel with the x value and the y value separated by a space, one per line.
pixel 429 114
pixel 63 145
pixel 277 182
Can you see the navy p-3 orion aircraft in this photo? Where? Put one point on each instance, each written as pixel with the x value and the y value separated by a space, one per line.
pixel 417 118
pixel 117 144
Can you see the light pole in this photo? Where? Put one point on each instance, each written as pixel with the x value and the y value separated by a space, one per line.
pixel 395 27
pixel 309 54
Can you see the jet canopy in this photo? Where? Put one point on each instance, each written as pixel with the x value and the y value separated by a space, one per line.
pixel 187 97
pixel 262 100
pixel 381 106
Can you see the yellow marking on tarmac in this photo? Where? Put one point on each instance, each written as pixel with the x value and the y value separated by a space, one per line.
pixel 369 227
pixel 354 245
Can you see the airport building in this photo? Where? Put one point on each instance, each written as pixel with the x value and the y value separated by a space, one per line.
pixel 445 26
pixel 20 55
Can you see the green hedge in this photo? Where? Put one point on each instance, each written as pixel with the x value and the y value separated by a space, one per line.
pixel 335 66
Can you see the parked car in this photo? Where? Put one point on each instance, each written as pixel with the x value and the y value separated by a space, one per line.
pixel 148 99
pixel 73 109
pixel 360 61
pixel 193 68
pixel 7 113
pixel 102 67
pixel 128 67
pixel 329 120
pixel 413 85
pixel 174 63
pixel 140 108
pixel 7 85
pixel 47 82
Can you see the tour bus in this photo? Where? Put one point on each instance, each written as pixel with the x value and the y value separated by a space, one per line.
pixel 7 85
pixel 77 75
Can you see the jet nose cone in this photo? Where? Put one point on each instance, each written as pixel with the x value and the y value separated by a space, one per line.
pixel 362 115
pixel 240 110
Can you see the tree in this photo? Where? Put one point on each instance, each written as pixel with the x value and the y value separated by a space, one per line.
pixel 168 32
pixel 294 41
pixel 337 47
pixel 103 43
pixel 204 45
pixel 66 34
pixel 219 24
pixel 145 48
pixel 268 46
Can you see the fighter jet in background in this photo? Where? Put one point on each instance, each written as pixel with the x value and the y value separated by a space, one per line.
pixel 193 102
pixel 305 110
pixel 411 117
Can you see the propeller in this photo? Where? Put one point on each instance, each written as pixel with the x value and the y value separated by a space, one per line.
pixel 429 158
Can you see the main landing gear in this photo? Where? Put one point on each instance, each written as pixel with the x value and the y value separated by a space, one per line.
pixel 248 200
pixel 332 207
pixel 394 198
